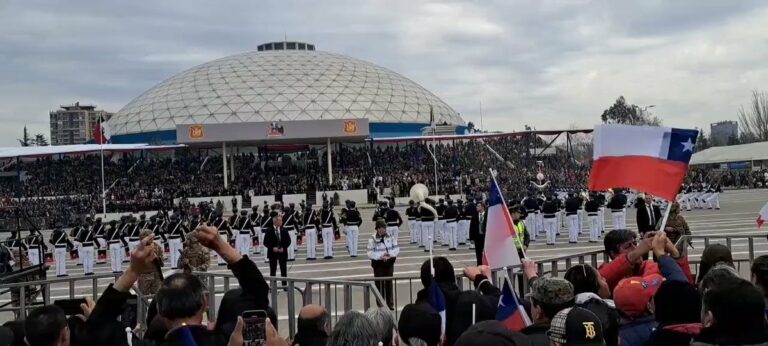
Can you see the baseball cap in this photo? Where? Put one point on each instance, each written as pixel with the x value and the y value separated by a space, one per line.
pixel 632 295
pixel 576 326
pixel 553 291
pixel 491 332
pixel 420 321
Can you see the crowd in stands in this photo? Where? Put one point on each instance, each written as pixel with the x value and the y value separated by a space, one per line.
pixel 730 178
pixel 629 300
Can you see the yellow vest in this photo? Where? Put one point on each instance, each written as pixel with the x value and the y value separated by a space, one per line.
pixel 519 234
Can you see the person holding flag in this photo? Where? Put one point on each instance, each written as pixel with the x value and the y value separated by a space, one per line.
pixel 501 231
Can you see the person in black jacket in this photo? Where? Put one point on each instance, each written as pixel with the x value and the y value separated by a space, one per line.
pixel 477 231
pixel 277 241
pixel 648 215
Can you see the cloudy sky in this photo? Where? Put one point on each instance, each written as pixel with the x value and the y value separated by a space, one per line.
pixel 550 64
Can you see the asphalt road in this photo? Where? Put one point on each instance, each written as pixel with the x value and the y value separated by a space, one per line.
pixel 737 217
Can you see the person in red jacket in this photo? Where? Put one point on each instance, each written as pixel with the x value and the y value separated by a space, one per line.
pixel 626 255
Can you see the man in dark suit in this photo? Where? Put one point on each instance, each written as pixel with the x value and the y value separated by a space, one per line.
pixel 277 240
pixel 477 231
pixel 648 215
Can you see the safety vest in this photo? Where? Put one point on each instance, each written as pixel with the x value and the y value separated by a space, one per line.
pixel 519 234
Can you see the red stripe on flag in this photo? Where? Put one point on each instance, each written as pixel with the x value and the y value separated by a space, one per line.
pixel 647 174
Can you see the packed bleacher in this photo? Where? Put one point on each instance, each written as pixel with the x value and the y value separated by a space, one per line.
pixel 630 300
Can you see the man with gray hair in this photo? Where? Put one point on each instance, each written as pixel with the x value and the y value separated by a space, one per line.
pixel 313 326
pixel 384 322
pixel 354 329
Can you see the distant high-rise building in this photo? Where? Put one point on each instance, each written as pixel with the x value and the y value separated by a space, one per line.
pixel 74 124
pixel 723 130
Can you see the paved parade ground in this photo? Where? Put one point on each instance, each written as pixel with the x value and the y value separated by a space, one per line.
pixel 737 217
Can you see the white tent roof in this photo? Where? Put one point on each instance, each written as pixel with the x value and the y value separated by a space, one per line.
pixel 731 153
pixel 9 152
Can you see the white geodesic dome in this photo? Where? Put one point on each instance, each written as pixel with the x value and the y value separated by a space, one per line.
pixel 281 85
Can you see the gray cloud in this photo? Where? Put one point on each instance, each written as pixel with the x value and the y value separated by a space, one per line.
pixel 544 63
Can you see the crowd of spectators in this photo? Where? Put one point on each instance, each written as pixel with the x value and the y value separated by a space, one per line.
pixel 730 178
pixel 627 301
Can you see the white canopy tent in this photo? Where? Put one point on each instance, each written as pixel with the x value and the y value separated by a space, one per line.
pixel 13 152
pixel 732 153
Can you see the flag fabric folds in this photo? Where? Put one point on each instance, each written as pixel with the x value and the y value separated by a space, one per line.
pixel 510 312
pixel 763 216
pixel 500 250
pixel 437 301
pixel 651 159
pixel 101 133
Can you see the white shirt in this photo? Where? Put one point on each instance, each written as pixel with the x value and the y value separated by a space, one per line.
pixel 378 247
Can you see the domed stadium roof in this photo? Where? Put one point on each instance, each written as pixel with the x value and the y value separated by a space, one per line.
pixel 281 81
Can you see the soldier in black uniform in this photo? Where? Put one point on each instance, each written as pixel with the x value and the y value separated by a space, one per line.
pixel 176 231
pixel 311 225
pixel 99 232
pixel 328 224
pixel 352 223
pixel 256 221
pixel 592 207
pixel 245 232
pixel 601 201
pixel 225 232
pixel 617 205
pixel 549 212
pixel 116 242
pixel 60 242
pixel 532 211
pixel 195 222
pixel 451 216
pixel 470 215
pixel 413 213
pixel 572 207
pixel 87 240
pixel 35 247
pixel 133 233
pixel 143 223
pixel 75 252
pixel 393 220
pixel 463 223
pixel 158 233
pixel 440 224
pixel 428 226
pixel 291 224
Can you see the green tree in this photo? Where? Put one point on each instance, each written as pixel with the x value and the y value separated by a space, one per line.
pixel 40 140
pixel 704 141
pixel 623 113
pixel 754 120
pixel 25 140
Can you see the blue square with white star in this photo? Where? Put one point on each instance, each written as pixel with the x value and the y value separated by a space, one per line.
pixel 682 144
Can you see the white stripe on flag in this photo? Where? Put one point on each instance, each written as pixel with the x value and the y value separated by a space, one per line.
pixel 627 140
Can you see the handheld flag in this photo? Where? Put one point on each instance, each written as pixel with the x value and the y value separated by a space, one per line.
pixel 101 132
pixel 763 216
pixel 437 301
pixel 510 312
pixel 500 234
pixel 653 159
pixel 186 336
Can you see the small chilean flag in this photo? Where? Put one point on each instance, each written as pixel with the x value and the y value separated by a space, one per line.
pixel 500 233
pixel 763 216
pixel 652 159
pixel 510 312
pixel 101 133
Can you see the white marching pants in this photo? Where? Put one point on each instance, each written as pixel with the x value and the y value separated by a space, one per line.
pixel 540 224
pixel 440 232
pixel 393 232
pixel 714 199
pixel 417 233
pixel 619 220
pixel 327 242
pixel 219 260
pixel 594 228
pixel 411 230
pixel 581 214
pixel 427 234
pixel 243 243
pixel 116 257
pixel 452 235
pixel 573 228
pixel 550 226
pixel 258 236
pixel 311 237
pixel 463 231
pixel 87 255
pixel 79 248
pixel 353 232
pixel 60 257
pixel 175 246
pixel 601 219
pixel 33 255
pixel 530 225
pixel 703 199
pixel 293 247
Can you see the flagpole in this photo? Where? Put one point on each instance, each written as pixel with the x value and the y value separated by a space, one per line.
pixel 103 189
pixel 431 259
pixel 496 183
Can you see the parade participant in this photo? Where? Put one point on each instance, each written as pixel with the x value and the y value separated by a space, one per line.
pixel 463 223
pixel 277 241
pixel 393 220
pixel 157 231
pixel 291 224
pixel 439 232
pixel 176 232
pixel 522 237
pixel 87 254
pixel 572 207
pixel 194 257
pixel 593 214
pixel 311 225
pixel 75 251
pixel 256 221
pixel 713 200
pixel 149 283
pixel 225 232
pixel 60 242
pixel 412 213
pixel 549 212
pixel 381 211
pixel 143 223
pixel 532 210
pixel 99 232
pixel 328 225
pixel 616 205
pixel 115 241
pixel 477 231
pixel 35 247
pixel 428 226
pixel 343 222
pixel 648 215
pixel 265 221
pixel 245 233
pixel 383 251
pixel 451 216
pixel 194 223
pixel 601 201
pixel 133 233
pixel 352 223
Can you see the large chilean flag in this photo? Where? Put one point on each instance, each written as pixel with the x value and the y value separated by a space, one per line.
pixel 500 250
pixel 651 159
